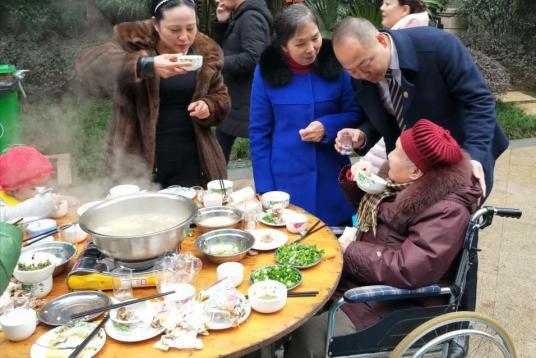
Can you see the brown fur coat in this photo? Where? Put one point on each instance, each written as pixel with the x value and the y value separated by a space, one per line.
pixel 110 70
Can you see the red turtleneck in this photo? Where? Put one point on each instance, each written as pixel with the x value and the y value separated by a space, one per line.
pixel 295 67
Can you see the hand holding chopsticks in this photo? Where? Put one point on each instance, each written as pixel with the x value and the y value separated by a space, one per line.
pixel 118 305
pixel 84 343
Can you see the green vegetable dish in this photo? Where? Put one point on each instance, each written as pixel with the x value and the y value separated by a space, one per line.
pixel 299 255
pixel 287 275
pixel 33 266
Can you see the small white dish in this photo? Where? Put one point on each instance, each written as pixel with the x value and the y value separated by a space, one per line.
pixel 196 61
pixel 296 223
pixel 82 209
pixel 286 214
pixel 262 243
pixel 371 184
pixel 214 186
pixel 73 234
pixel 275 198
pixel 35 276
pixel 142 332
pixel 267 296
pixel 233 270
pixel 180 191
pixel 19 324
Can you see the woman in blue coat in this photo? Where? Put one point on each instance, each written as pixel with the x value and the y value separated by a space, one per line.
pixel 300 98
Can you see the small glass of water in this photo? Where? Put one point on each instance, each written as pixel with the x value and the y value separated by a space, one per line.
pixel 122 283
pixel 346 144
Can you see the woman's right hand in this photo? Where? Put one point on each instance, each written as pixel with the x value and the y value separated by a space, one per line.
pixel 167 65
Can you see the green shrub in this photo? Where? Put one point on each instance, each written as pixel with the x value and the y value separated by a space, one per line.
pixel 515 122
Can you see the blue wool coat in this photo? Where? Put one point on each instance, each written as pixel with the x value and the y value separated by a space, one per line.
pixel 282 103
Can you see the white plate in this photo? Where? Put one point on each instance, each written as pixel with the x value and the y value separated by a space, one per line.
pixel 279 239
pixel 81 210
pixel 286 213
pixel 39 349
pixel 181 191
pixel 140 334
pixel 247 309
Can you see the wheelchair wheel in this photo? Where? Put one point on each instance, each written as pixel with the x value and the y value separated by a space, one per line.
pixel 457 334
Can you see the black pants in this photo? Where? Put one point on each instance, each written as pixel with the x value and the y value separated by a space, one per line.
pixel 226 142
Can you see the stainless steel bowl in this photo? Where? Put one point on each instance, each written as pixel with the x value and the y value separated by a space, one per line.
pixel 64 251
pixel 225 245
pixel 141 247
pixel 234 214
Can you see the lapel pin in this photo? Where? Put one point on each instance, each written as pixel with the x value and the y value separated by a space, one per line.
pixel 405 94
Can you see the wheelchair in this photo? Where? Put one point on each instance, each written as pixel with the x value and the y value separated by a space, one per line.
pixel 434 331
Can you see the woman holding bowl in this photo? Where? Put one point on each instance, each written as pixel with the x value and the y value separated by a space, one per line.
pixel 163 109
pixel 301 98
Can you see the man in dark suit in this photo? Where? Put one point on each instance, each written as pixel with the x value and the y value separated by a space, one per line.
pixel 402 76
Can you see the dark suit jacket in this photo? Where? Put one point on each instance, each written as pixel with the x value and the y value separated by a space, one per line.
pixel 440 82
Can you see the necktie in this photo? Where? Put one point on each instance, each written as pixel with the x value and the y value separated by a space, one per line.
pixel 396 98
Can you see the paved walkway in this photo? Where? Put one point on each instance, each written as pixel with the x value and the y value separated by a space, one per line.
pixel 507 283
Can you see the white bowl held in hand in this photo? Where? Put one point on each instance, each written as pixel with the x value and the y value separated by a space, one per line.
pixel 275 198
pixel 371 184
pixel 195 61
pixel 267 296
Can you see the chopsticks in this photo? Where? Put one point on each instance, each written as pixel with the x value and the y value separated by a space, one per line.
pixel 222 186
pixel 300 294
pixel 32 240
pixel 309 232
pixel 118 305
pixel 93 333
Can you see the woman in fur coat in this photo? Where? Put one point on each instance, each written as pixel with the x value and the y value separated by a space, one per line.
pixel 162 113
pixel 301 97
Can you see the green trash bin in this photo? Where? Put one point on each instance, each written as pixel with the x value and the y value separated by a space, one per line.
pixel 10 83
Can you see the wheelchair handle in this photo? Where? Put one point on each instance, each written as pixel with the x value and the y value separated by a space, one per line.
pixel 506 212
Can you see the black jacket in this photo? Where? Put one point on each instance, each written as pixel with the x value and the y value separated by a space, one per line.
pixel 243 38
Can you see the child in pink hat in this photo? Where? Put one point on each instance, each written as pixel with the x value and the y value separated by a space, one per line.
pixel 23 171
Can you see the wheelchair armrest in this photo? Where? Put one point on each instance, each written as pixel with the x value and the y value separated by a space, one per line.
pixel 377 293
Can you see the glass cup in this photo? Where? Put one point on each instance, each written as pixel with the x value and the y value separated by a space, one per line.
pixel 122 283
pixel 199 191
pixel 251 210
pixel 346 144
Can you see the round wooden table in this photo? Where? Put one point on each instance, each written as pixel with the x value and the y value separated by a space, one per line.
pixel 258 331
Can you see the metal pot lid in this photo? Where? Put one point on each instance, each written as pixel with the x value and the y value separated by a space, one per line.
pixel 58 311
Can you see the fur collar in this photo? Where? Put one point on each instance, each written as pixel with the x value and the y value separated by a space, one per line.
pixel 454 183
pixel 276 72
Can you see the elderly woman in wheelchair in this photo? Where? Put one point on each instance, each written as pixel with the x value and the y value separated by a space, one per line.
pixel 408 236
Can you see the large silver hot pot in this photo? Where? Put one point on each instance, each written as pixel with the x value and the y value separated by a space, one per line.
pixel 142 247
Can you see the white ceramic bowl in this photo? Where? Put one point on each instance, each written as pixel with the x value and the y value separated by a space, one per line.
pixel 214 186
pixel 73 234
pixel 233 270
pixel 35 276
pixel 296 223
pixel 196 61
pixel 275 198
pixel 18 324
pixel 371 184
pixel 267 296
pixel 129 326
pixel 124 189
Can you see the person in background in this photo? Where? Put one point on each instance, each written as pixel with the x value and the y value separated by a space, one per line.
pixel 301 98
pixel 24 176
pixel 162 113
pixel 408 236
pixel 243 30
pixel 396 14
pixel 10 246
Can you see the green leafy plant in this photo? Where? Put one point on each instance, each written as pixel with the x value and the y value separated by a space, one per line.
pixel 368 9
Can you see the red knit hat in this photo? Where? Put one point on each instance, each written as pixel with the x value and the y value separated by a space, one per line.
pixel 22 165
pixel 428 145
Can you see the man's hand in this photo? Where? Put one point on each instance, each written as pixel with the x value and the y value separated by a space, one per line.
pixel 478 172
pixel 358 138
pixel 361 166
pixel 166 65
pixel 222 12
pixel 199 109
pixel 314 132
